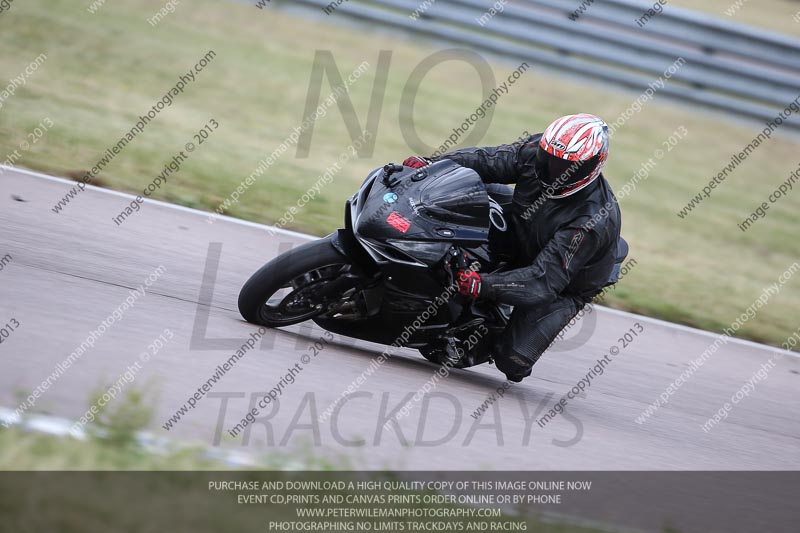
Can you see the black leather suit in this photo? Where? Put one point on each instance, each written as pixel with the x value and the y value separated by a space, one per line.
pixel 563 251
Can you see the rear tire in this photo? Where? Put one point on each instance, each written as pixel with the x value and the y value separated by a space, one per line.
pixel 281 273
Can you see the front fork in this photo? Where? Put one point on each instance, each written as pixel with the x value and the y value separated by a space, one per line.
pixel 346 244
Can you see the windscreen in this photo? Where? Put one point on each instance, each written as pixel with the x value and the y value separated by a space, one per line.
pixel 457 195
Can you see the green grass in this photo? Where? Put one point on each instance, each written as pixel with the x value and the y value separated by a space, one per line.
pixel 113 443
pixel 104 70
pixel 24 451
pixel 146 488
pixel 85 502
pixel 773 15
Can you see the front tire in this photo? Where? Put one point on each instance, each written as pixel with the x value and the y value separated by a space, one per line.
pixel 302 272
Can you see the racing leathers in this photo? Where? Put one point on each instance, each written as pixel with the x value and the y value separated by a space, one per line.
pixel 563 251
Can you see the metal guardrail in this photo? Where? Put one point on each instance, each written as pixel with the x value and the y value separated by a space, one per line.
pixel 733 68
pixel 713 35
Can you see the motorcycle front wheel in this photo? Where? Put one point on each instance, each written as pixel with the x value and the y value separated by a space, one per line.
pixel 311 280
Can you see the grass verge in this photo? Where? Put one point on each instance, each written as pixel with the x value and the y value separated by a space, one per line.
pixel 775 15
pixel 122 484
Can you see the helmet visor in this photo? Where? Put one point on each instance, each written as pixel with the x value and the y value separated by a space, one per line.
pixel 558 175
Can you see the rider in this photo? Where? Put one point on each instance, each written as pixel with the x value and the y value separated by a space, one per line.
pixel 565 224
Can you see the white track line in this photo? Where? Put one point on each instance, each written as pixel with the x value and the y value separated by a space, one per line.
pixel 62 427
pixel 163 204
pixel 632 316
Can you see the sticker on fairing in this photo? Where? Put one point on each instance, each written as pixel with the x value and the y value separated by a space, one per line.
pixel 398 222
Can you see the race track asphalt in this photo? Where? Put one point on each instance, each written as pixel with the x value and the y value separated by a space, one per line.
pixel 69 271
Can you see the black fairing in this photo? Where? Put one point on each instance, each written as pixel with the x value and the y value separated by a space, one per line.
pixel 407 228
pixel 424 213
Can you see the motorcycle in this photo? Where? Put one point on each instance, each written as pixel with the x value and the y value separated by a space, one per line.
pixel 388 275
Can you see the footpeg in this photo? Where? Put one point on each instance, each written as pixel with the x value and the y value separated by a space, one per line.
pixel 453 353
pixel 472 324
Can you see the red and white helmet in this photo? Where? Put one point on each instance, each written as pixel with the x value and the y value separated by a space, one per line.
pixel 571 154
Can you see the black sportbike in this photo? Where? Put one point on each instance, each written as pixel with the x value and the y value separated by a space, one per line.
pixel 388 276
